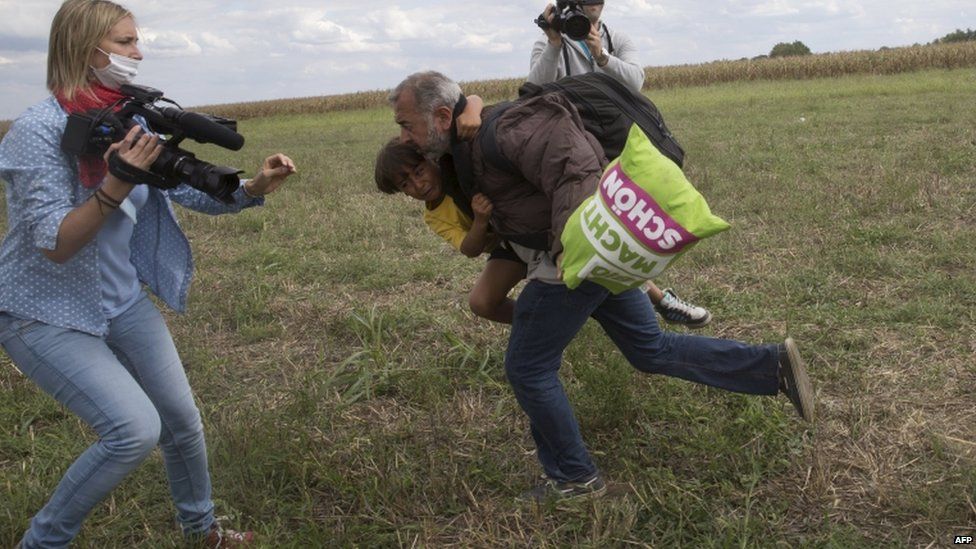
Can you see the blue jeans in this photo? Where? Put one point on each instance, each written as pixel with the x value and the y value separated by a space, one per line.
pixel 131 389
pixel 548 317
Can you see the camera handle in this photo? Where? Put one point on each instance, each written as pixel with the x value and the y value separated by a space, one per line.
pixel 133 175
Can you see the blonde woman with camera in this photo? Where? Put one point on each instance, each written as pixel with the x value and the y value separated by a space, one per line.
pixel 81 244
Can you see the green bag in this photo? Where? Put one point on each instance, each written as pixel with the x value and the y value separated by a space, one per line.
pixel 642 217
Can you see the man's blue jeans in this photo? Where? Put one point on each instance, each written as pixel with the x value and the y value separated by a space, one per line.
pixel 548 317
pixel 131 389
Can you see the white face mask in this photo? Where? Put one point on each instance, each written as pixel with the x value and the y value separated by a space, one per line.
pixel 120 70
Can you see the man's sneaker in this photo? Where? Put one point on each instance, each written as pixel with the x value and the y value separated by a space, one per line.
pixel 551 490
pixel 678 311
pixel 793 379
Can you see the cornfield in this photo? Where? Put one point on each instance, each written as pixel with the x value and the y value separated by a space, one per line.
pixel 829 65
pixel 884 61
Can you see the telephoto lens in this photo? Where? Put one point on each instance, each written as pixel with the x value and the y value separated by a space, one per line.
pixel 570 19
pixel 576 25
pixel 179 166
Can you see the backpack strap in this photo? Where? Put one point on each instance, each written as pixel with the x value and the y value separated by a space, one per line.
pixel 488 140
pixel 529 89
pixel 461 158
pixel 635 108
pixel 492 154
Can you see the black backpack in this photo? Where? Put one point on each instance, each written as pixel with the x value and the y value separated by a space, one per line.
pixel 608 110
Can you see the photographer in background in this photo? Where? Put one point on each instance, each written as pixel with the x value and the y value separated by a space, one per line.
pixel 557 55
pixel 74 317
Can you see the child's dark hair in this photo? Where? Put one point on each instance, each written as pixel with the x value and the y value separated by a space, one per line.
pixel 394 163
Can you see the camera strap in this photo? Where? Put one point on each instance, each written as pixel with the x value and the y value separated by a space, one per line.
pixel 609 38
pixel 565 48
pixel 131 174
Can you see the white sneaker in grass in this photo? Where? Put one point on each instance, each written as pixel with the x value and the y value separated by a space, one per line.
pixel 678 311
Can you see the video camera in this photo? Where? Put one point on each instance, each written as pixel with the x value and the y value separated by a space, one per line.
pixel 569 18
pixel 92 132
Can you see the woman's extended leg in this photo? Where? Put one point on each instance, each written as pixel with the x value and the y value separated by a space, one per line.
pixel 141 340
pixel 82 373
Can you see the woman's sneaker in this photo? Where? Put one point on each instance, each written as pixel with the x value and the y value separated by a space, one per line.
pixel 678 311
pixel 551 490
pixel 224 538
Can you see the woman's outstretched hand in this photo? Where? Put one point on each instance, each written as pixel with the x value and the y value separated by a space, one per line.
pixel 275 169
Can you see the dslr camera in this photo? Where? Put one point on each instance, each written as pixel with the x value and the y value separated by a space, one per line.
pixel 569 18
pixel 92 132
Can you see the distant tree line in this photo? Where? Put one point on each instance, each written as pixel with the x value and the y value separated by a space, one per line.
pixel 784 49
pixel 787 49
pixel 957 36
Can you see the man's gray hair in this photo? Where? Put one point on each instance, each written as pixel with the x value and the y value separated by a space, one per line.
pixel 431 90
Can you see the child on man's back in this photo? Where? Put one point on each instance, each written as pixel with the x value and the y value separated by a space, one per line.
pixel 402 168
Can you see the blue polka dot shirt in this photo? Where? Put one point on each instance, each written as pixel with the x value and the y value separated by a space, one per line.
pixel 43 186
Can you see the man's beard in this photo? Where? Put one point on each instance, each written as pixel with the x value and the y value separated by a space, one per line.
pixel 437 143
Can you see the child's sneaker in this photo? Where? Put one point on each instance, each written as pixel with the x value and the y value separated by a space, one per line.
pixel 678 311
pixel 552 490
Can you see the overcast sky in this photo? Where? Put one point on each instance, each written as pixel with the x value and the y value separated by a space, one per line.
pixel 210 51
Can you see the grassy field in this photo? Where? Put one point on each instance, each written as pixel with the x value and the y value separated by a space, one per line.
pixel 351 400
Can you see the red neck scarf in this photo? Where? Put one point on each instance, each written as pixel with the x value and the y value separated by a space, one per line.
pixel 92 167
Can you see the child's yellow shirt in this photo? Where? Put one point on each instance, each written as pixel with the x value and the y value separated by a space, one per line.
pixel 448 221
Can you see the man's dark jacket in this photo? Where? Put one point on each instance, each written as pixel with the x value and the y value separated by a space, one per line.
pixel 558 165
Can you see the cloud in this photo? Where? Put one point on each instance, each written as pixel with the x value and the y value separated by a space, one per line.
pixel 397 24
pixel 444 32
pixel 169 44
pixel 330 67
pixel 23 43
pixel 26 19
pixel 638 8
pixel 323 31
pixel 28 60
pixel 217 45
pixel 773 8
pixel 812 11
pixel 834 9
pixel 314 32
pixel 486 43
